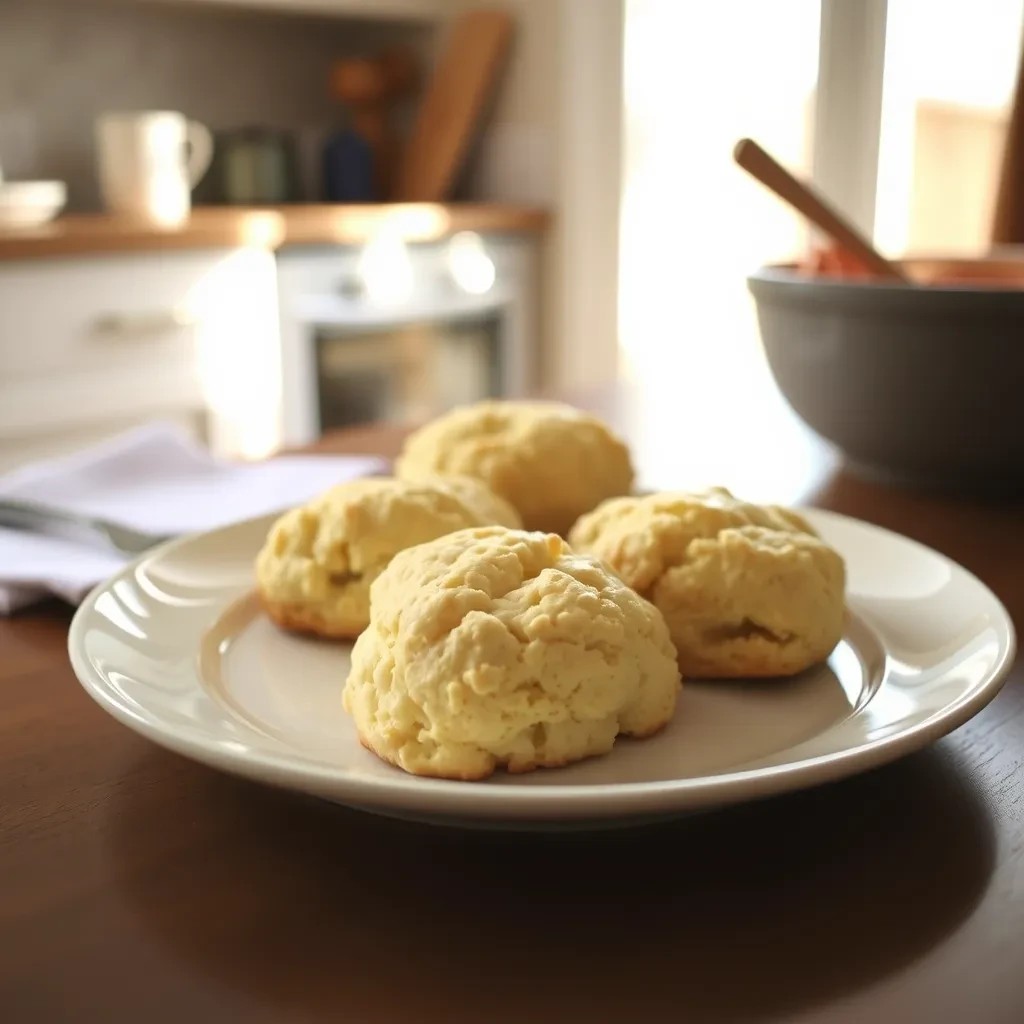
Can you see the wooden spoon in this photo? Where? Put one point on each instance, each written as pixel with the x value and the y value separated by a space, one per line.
pixel 755 161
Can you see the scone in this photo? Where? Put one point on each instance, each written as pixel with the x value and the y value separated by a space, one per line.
pixel 551 461
pixel 746 590
pixel 496 648
pixel 315 569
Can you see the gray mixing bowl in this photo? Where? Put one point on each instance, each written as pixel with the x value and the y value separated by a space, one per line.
pixel 915 384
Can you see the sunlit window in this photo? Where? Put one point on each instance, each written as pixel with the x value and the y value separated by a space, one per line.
pixel 949 74
pixel 697 78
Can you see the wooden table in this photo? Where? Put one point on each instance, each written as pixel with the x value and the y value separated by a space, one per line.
pixel 137 886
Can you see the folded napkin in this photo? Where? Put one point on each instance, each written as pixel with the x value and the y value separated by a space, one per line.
pixel 153 479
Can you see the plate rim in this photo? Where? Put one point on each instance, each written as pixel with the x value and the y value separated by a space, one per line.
pixel 596 800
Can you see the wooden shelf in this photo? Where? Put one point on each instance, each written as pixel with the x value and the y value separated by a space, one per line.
pixel 399 10
pixel 270 228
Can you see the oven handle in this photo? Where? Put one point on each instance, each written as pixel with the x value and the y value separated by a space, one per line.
pixel 337 310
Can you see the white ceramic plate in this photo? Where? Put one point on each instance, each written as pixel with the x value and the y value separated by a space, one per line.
pixel 175 647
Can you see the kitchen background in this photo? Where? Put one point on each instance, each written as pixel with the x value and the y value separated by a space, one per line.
pixel 64 61
pixel 596 229
pixel 252 332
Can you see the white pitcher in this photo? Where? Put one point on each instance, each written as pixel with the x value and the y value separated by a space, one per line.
pixel 148 163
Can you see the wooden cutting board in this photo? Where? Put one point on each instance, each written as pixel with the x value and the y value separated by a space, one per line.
pixel 456 95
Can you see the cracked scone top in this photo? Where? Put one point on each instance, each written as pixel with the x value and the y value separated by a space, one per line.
pixel 494 647
pixel 746 590
pixel 316 566
pixel 551 461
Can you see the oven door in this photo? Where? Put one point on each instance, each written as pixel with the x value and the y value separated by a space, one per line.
pixel 406 369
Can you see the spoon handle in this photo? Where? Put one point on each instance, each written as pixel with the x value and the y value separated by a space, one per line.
pixel 756 162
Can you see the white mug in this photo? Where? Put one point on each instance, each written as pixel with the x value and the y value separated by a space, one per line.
pixel 148 163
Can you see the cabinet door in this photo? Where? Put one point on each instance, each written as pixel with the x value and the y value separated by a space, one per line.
pixel 90 315
pixel 126 339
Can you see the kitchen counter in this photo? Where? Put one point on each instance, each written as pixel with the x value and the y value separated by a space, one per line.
pixel 269 228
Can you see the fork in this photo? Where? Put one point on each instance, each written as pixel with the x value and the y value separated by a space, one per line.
pixel 38 518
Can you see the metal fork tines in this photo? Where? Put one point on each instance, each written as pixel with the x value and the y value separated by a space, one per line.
pixel 38 518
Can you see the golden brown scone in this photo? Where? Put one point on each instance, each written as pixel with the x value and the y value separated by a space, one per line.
pixel 746 590
pixel 315 569
pixel 551 461
pixel 493 647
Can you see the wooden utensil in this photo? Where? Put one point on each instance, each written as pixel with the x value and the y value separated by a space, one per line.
pixel 756 162
pixel 461 85
pixel 1008 221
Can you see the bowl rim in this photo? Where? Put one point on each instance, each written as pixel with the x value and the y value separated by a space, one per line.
pixel 1006 260
pixel 783 279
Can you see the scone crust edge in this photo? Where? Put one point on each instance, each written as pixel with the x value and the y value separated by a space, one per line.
pixel 484 637
pixel 552 461
pixel 359 522
pixel 761 569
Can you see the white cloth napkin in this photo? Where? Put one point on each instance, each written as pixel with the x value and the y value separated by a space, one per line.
pixel 153 479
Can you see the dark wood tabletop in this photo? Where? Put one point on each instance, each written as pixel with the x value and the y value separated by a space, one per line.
pixel 138 886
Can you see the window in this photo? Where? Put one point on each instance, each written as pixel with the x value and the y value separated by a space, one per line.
pixel 698 77
pixel 950 68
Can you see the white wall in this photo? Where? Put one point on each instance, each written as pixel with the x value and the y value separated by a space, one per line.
pixel 555 138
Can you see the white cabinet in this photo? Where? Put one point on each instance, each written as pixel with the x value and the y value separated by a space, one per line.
pixel 91 346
